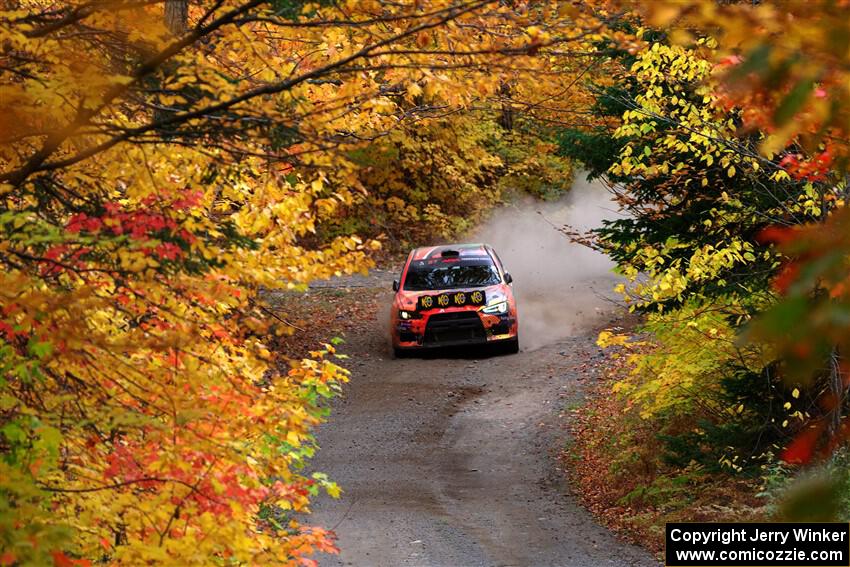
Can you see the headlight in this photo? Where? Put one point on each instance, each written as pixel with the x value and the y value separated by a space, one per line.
pixel 408 314
pixel 501 307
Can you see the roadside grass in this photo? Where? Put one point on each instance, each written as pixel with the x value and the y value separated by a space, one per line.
pixel 615 465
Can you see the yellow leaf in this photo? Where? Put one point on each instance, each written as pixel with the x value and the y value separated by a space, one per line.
pixel 293 438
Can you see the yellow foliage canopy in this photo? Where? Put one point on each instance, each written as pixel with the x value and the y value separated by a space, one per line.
pixel 150 185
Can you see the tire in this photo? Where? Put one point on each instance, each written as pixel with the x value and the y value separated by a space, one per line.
pixel 400 353
pixel 510 346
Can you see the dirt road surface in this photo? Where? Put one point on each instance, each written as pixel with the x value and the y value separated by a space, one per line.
pixel 451 459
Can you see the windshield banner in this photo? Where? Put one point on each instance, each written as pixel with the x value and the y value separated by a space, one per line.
pixel 451 299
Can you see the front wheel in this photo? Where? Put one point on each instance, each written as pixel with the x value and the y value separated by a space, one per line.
pixel 400 352
pixel 509 346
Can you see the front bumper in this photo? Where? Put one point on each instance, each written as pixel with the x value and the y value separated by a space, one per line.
pixel 453 328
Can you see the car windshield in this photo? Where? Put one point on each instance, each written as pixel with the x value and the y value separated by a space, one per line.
pixel 448 274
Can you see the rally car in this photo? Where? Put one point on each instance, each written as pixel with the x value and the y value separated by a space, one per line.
pixel 456 294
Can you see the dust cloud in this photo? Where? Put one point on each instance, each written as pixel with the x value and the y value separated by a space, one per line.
pixel 562 288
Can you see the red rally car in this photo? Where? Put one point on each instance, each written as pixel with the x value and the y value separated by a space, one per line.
pixel 456 294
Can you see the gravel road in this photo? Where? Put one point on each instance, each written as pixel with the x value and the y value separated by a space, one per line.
pixel 451 460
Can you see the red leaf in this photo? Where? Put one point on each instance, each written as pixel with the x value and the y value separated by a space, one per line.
pixel 786 277
pixel 776 235
pixel 61 560
pixel 801 449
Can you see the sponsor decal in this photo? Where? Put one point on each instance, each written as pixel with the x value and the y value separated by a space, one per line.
pixel 456 299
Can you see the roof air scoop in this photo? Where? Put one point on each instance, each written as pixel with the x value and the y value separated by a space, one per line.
pixel 450 254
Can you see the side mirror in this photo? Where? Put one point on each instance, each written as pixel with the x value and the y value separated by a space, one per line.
pixel 508 278
pixel 395 285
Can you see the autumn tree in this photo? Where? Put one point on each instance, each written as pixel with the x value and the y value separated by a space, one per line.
pixel 695 190
pixel 160 163
pixel 785 66
pixel 698 199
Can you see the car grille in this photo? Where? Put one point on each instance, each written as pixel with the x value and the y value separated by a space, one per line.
pixel 458 326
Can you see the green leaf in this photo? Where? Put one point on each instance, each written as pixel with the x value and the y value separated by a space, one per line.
pixel 14 433
pixel 786 315
pixel 40 349
pixel 757 61
pixel 793 102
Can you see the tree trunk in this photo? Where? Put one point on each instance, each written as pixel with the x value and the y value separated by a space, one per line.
pixel 836 388
pixel 177 16
pixel 506 120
